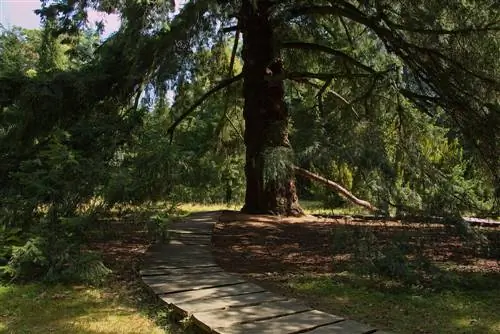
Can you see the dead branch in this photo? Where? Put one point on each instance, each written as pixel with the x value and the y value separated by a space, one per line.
pixel 337 187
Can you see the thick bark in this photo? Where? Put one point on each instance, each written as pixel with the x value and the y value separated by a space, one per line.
pixel 265 113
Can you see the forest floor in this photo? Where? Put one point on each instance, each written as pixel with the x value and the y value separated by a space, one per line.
pixel 404 277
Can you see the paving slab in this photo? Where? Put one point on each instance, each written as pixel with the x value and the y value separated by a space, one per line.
pixel 183 262
pixel 170 250
pixel 344 327
pixel 205 305
pixel 191 239
pixel 299 322
pixel 180 271
pixel 180 255
pixel 194 236
pixel 232 316
pixel 208 293
pixel 194 230
pixel 168 283
pixel 195 224
pixel 164 265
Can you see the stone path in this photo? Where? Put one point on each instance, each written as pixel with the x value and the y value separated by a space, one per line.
pixel 184 275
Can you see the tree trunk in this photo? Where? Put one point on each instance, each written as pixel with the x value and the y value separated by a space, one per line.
pixel 265 113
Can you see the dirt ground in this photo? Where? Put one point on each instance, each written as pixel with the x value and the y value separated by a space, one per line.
pixel 122 245
pixel 270 249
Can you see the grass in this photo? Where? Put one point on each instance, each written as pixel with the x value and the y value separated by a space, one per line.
pixel 200 207
pixel 36 308
pixel 309 207
pixel 410 311
pixel 120 305
pixel 318 208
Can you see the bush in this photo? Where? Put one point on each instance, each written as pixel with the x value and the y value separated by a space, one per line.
pixel 54 255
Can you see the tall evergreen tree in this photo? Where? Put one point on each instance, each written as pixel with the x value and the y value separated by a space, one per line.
pixel 448 55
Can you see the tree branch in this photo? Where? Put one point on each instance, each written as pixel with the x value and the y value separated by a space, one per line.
pixel 326 49
pixel 233 53
pixel 230 74
pixel 319 95
pixel 348 34
pixel 296 75
pixel 202 99
pixel 304 75
pixel 339 8
pixel 412 95
pixel 305 81
pixel 440 72
pixel 461 31
pixel 337 187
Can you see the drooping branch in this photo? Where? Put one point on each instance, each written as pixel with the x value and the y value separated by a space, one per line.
pixel 339 8
pixel 319 95
pixel 295 75
pixel 202 99
pixel 335 186
pixel 443 74
pixel 233 52
pixel 306 81
pixel 412 96
pixel 494 26
pixel 347 32
pixel 304 75
pixel 392 40
pixel 329 50
pixel 230 75
pixel 327 78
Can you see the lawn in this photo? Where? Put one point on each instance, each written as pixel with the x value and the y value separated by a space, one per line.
pixel 309 207
pixel 36 308
pixel 121 304
pixel 412 311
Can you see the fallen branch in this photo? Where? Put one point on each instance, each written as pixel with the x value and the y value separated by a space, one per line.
pixel 337 187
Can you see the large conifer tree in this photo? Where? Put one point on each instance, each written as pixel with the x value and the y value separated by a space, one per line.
pixel 448 56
